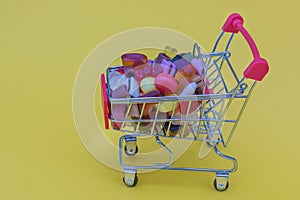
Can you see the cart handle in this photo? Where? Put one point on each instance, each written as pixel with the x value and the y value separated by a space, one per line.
pixel 104 101
pixel 259 67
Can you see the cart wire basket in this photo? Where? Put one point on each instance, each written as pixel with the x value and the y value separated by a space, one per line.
pixel 202 115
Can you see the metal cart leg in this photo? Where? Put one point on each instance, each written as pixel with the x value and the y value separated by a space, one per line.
pixel 221 181
pixel 130 147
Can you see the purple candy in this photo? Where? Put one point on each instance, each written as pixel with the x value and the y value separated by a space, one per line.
pixel 181 63
pixel 168 67
pixel 152 94
pixel 162 56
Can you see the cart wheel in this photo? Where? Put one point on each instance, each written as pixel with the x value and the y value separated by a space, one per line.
pixel 221 184
pixel 131 151
pixel 130 180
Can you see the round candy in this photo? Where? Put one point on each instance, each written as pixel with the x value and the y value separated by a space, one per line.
pixel 148 85
pixel 166 84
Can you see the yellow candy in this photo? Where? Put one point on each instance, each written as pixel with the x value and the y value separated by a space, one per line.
pixel 147 85
pixel 167 106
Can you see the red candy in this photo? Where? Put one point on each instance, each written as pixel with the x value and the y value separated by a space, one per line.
pixel 183 106
pixel 166 84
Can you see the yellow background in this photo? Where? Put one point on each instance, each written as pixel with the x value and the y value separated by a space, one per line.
pixel 43 43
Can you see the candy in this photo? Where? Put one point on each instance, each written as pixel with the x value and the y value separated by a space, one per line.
pixel 182 83
pixel 133 59
pixel 199 66
pixel 167 106
pixel 181 63
pixel 160 115
pixel 146 70
pixel 189 89
pixel 170 51
pixel 183 106
pixel 156 69
pixel 152 94
pixel 120 92
pixel 168 67
pixel 118 113
pixel 148 85
pixel 115 80
pixel 132 86
pixel 166 84
pixel 162 56
pixel 147 109
pixel 188 56
pixel 134 111
pixel 188 71
pixel 177 57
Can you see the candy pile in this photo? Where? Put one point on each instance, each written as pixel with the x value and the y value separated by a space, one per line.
pixel 166 75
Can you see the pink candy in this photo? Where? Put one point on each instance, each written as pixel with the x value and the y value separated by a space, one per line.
pixel 166 84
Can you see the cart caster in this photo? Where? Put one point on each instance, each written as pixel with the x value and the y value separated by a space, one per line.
pixel 221 183
pixel 130 179
pixel 130 147
pixel 131 151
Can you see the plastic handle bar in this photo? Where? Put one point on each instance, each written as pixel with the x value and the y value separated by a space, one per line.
pixel 259 67
pixel 104 101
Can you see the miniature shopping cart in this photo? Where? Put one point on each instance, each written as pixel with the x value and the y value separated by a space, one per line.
pixel 222 88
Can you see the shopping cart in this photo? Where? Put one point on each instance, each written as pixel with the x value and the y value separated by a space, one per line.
pixel 205 124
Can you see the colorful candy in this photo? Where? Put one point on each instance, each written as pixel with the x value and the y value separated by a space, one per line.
pixel 167 75
pixel 166 84
pixel 167 106
pixel 148 85
pixel 168 67
pixel 189 89
pixel 132 86
pixel 170 51
pixel 146 70
pixel 162 56
pixel 181 63
pixel 133 59
pixel 118 113
pixel 199 66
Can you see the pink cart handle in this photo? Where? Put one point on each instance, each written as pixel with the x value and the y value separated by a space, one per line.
pixel 259 67
pixel 104 101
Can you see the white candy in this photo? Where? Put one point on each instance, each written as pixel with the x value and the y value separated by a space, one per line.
pixel 115 80
pixel 132 86
pixel 189 89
